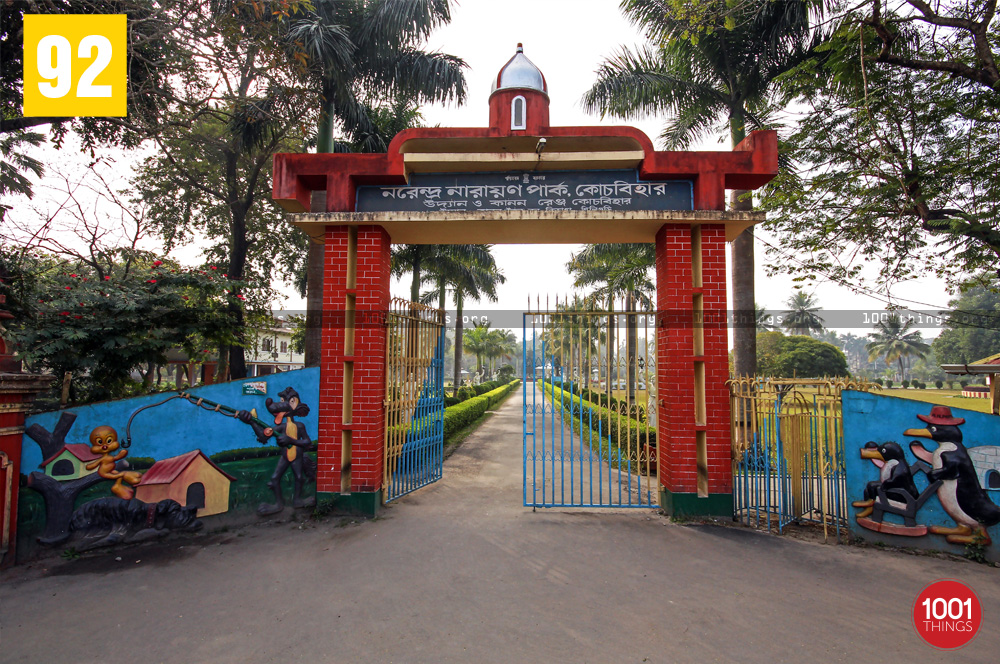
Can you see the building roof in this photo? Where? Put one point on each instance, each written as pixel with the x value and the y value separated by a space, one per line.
pixel 167 470
pixel 520 73
pixel 80 450
pixel 992 359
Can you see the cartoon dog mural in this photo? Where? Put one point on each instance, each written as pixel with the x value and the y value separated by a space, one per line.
pixel 951 476
pixel 292 437
pixel 110 521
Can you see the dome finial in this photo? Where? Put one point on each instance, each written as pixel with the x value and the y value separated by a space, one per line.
pixel 520 73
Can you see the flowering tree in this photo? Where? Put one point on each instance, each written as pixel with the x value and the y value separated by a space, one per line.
pixel 103 325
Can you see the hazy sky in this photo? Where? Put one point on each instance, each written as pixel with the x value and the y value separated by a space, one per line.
pixel 567 40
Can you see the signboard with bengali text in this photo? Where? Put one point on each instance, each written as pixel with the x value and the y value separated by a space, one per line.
pixel 619 190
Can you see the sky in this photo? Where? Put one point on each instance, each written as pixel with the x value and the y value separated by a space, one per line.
pixel 567 40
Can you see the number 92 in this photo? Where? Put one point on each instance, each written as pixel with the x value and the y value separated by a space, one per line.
pixel 55 61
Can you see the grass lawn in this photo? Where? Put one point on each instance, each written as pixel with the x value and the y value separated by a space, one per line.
pixel 951 398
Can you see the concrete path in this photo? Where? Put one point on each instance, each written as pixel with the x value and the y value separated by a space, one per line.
pixel 460 572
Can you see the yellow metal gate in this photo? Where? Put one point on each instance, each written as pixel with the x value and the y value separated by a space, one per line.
pixel 414 397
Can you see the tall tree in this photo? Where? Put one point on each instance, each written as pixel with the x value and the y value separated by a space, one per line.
pixel 361 52
pixel 467 270
pixel 699 69
pixel 972 326
pixel 618 271
pixel 893 341
pixel 896 149
pixel 801 316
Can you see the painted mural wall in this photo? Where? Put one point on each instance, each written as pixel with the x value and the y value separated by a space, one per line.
pixel 923 476
pixel 136 469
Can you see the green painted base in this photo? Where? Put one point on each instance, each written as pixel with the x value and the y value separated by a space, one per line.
pixel 689 504
pixel 365 503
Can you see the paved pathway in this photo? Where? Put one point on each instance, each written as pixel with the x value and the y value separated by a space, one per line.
pixel 460 572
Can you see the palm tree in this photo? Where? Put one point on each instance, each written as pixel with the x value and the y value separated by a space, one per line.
pixel 892 340
pixel 762 318
pixel 618 271
pixel 469 271
pixel 358 51
pixel 477 342
pixel 500 344
pixel 801 316
pixel 726 72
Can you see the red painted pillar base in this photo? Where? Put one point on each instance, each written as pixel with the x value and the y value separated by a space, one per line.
pixel 17 390
pixel 693 428
pixel 351 436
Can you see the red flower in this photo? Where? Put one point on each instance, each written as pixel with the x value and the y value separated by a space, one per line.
pixel 240 297
pixel 226 276
pixel 185 297
pixel 107 278
pixel 77 316
pixel 157 263
pixel 69 288
pixel 73 276
pixel 64 313
pixel 214 268
pixel 204 351
pixel 151 281
pixel 210 278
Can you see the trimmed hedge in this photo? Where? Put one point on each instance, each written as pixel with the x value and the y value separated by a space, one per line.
pixel 465 413
pixel 605 400
pixel 610 421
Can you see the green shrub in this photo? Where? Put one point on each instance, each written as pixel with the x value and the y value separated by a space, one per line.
pixel 507 372
pixel 463 414
pixel 608 422
pixel 905 383
pixel 879 381
pixel 451 401
pixel 963 383
pixel 888 382
pixel 464 393
pixel 939 384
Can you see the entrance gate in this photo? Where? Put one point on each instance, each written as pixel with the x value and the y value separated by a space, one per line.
pixel 589 436
pixel 414 397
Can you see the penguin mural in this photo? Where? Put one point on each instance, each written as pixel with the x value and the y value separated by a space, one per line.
pixel 960 493
pixel 894 474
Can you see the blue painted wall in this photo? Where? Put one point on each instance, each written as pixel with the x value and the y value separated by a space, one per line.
pixel 873 417
pixel 178 426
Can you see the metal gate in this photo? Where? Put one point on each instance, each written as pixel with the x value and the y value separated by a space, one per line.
pixel 589 429
pixel 788 451
pixel 414 397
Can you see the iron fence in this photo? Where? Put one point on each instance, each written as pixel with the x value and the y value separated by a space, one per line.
pixel 788 452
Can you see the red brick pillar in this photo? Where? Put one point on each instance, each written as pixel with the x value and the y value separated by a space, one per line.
pixel 693 430
pixel 17 390
pixel 352 369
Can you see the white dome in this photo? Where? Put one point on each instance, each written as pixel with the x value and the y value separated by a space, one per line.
pixel 520 73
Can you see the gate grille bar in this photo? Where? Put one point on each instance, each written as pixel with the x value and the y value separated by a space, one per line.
pixel 414 397
pixel 589 420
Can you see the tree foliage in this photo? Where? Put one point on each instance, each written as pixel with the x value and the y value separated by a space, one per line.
pixel 103 324
pixel 897 147
pixel 798 356
pixel 895 340
pixel 802 316
pixel 972 327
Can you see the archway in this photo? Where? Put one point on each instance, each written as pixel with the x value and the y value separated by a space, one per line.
pixel 540 184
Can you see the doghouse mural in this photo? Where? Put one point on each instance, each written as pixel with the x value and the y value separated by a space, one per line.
pixel 922 475
pixel 135 469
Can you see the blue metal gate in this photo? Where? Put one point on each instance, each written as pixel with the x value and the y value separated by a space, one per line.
pixel 588 440
pixel 414 401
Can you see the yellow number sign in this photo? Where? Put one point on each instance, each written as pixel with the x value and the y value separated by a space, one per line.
pixel 74 65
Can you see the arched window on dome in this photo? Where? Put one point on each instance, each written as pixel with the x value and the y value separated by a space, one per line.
pixel 519 113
